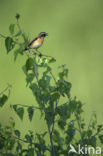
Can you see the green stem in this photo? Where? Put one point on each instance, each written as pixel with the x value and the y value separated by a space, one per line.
pixel 25 106
pixel 8 87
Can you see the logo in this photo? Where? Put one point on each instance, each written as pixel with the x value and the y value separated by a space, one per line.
pixel 85 149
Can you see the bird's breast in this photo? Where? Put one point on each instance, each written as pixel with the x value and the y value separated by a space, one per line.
pixel 40 40
pixel 37 43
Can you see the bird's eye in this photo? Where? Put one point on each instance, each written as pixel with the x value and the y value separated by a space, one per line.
pixel 43 35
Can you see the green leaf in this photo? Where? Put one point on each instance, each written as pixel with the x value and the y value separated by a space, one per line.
pixel 28 138
pixel 65 72
pixel 11 28
pixel 70 132
pixel 26 36
pixel 3 99
pixel 12 123
pixel 19 111
pixel 29 78
pixel 21 48
pixel 55 96
pixel 63 111
pixel 36 92
pixel 58 139
pixel 40 138
pixel 30 152
pixel 9 43
pixel 52 60
pixel 29 64
pixel 101 138
pixel 24 69
pixel 30 113
pixel 89 133
pixel 19 147
pixel 49 118
pixel 48 78
pixel 44 62
pixel 61 123
pixel 99 128
pixel 17 133
pixel 92 141
pixel 18 34
pixel 15 107
pixel 15 55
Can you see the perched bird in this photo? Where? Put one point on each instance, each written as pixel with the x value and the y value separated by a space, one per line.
pixel 37 42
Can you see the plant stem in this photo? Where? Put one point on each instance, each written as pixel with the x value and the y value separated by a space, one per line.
pixel 8 87
pixel 2 36
pixel 19 27
pixel 79 125
pixel 25 141
pixel 54 115
pixel 50 133
pixel 25 106
pixel 51 140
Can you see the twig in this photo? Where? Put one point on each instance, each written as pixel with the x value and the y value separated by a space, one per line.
pixel 90 121
pixel 97 132
pixel 25 106
pixel 40 54
pixel 79 126
pixel 25 141
pixel 53 77
pixel 46 55
pixel 19 27
pixel 54 115
pixel 94 135
pixel 3 36
pixel 8 87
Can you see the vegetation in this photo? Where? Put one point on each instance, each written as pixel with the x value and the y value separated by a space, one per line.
pixel 65 122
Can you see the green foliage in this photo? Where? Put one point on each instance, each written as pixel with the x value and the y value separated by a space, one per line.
pixel 17 133
pixel 19 111
pixel 64 120
pixel 101 138
pixel 11 29
pixel 29 64
pixel 30 112
pixel 3 99
pixel 9 44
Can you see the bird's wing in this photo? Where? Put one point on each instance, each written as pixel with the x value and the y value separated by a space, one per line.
pixel 32 42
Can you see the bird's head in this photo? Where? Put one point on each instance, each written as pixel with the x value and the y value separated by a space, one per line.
pixel 43 34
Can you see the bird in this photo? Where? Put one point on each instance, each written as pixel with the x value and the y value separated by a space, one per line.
pixel 37 42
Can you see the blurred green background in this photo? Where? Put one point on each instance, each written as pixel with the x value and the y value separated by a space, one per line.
pixel 75 29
